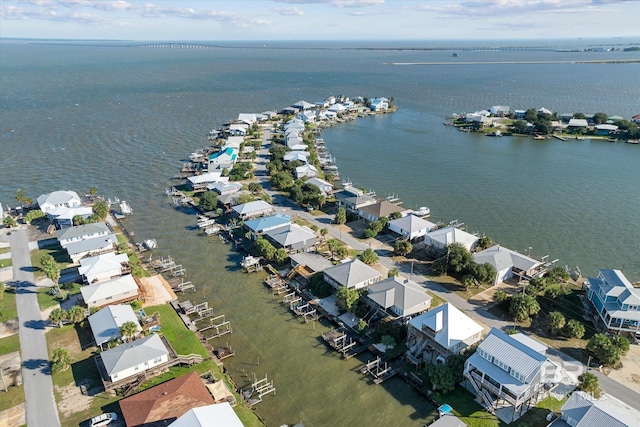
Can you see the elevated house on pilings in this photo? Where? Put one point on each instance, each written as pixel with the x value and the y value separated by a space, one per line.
pixel 510 374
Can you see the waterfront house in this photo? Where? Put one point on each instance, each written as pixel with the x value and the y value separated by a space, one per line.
pixel 91 247
pixel 308 116
pixel 103 267
pixel 294 140
pixel 606 129
pixel 437 334
pixel 259 226
pixel 134 358
pixel 306 170
pixel 379 104
pixel 448 420
pixel 478 119
pixel 577 124
pixel 584 410
pixel 166 402
pixel 499 110
pixel 120 290
pixel 223 188
pixel 615 302
pixel 227 201
pixel 353 275
pixel 543 110
pixel 352 199
pixel 509 263
pixel 565 117
pixel 62 217
pixel 296 155
pixel 439 239
pixel 337 108
pixel 228 155
pixel 519 114
pixel 58 199
pixel 233 142
pixel 237 129
pixel 411 227
pixel 399 297
pixel 105 324
pixel 307 264
pixel 253 209
pixel 612 120
pixel 381 208
pixel 303 105
pixel 510 373
pixel 326 188
pixel 248 118
pixel 292 237
pixel 82 232
pixel 218 415
pixel 200 182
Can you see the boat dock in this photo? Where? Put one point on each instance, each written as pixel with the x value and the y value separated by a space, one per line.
pixel 223 327
pixel 340 341
pixel 378 370
pixel 257 390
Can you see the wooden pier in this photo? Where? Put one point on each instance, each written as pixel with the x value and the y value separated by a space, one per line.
pixel 182 286
pixel 224 352
pixel 251 264
pixel 378 370
pixel 343 343
pixel 222 328
pixel 257 390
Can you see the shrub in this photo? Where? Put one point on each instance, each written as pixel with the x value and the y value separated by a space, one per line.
pixel 574 329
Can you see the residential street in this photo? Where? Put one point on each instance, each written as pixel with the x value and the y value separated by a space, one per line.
pixel 38 388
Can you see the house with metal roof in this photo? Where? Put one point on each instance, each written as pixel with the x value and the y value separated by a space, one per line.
pixel 228 155
pixel 353 275
pixel 379 104
pixel 91 247
pixel 584 410
pixel 105 324
pixel 200 182
pixel 509 263
pixel 166 402
pixel 218 415
pixel 437 334
pixel 134 358
pixel 82 232
pixel 303 105
pixel 306 170
pixel 325 187
pixel 115 291
pixel 443 237
pixel 292 237
pixel 411 227
pixel 259 226
pixel 575 124
pixel 606 129
pixel 615 302
pixel 353 199
pixel 308 263
pixel 399 297
pixel 296 155
pixel 382 208
pixel 103 267
pixel 248 118
pixel 62 217
pixel 223 188
pixel 58 199
pixel 510 373
pixel 253 209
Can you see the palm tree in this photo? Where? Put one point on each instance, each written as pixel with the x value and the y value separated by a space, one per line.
pixel 60 359
pixel 76 314
pixel 57 315
pixel 128 330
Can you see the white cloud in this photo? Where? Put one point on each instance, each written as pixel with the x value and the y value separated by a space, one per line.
pixel 289 11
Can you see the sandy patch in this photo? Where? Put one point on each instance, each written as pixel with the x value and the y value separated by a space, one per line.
pixel 156 291
pixel 73 400
pixel 10 327
pixel 13 417
pixel 629 374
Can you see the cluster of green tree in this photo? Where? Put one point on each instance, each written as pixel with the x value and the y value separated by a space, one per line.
pixel 337 249
pixel 241 171
pixel 269 252
pixel 306 194
pixel 75 315
pixel 341 216
pixel 60 360
pixel 208 200
pixel 628 129
pixel 445 376
pixel 319 287
pixel 609 350
pixel 32 215
pixel 459 261
pixel 589 383
pixel 541 123
pixel 368 256
pixel 375 227
pixel 22 199
pixel 51 269
pixel 557 325
pixel 9 222
pixel 402 247
pixel 100 212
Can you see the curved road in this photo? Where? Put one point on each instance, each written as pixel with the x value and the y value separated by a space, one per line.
pixel 40 405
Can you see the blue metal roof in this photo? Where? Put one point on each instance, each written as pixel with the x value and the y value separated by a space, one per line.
pixel 260 224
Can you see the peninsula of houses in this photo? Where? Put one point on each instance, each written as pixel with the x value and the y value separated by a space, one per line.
pixel 343 253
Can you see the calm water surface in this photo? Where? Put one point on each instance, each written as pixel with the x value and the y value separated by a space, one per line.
pixel 124 119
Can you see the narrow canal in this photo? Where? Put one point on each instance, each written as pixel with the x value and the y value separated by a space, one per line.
pixel 313 384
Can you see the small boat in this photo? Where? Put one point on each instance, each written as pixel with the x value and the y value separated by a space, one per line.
pixel 212 230
pixel 633 141
pixel 495 133
pixel 150 244
pixel 423 211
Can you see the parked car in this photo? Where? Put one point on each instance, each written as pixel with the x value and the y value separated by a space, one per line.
pixel 103 419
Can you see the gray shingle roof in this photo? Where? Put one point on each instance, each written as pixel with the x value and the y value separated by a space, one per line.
pixel 399 292
pixel 82 230
pixel 128 355
pixel 352 273
pixel 604 412
pixel 105 324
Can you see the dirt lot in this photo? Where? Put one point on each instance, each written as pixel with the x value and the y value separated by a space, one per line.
pixel 629 374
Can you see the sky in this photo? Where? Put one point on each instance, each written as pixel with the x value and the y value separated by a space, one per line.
pixel 214 20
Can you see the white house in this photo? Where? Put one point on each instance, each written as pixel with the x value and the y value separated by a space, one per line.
pixel 379 104
pixel 105 266
pixel 248 118
pixel 292 237
pixel 200 182
pixel 115 291
pixel 325 187
pixel 354 275
pixel 615 302
pixel 499 110
pixel 105 324
pixel 63 216
pixel 218 415
pixel 584 410
pixel 509 263
pixel 82 232
pixel 91 247
pixel 134 358
pixel 306 170
pixel 399 297
pixel 228 155
pixel 437 334
pixel 443 237
pixel 382 208
pixel 296 155
pixel 411 226
pixel 303 105
pixel 510 373
pixel 337 108
pixel 253 209
pixel 58 199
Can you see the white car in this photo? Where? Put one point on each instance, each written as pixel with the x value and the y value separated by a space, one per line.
pixel 103 419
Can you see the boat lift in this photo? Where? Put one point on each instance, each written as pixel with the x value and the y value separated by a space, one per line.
pixel 222 328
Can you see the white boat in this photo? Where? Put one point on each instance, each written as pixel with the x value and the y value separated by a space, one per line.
pixel 204 223
pixel 150 244
pixel 423 211
pixel 125 208
pixel 212 230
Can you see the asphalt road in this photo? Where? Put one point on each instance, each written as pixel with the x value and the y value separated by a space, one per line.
pixel 41 408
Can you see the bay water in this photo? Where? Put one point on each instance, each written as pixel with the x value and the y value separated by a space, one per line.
pixel 124 119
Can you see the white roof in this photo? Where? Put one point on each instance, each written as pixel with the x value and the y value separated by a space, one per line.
pixel 255 206
pixel 82 231
pixel 58 198
pixel 412 223
pixel 117 286
pixel 296 155
pixel 451 326
pixel 247 118
pixel 502 258
pixel 218 415
pixel 449 235
pixel 207 177
pixel 337 107
pixel 578 123
pixel 102 263
pixel 106 323
pixel 291 234
pixel 69 212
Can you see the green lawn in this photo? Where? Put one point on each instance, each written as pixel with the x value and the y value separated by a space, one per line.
pixel 8 308
pixel 436 301
pixel 12 397
pixel 59 255
pixel 452 284
pixel 6 263
pixel 46 300
pixel 182 339
pixel 9 344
